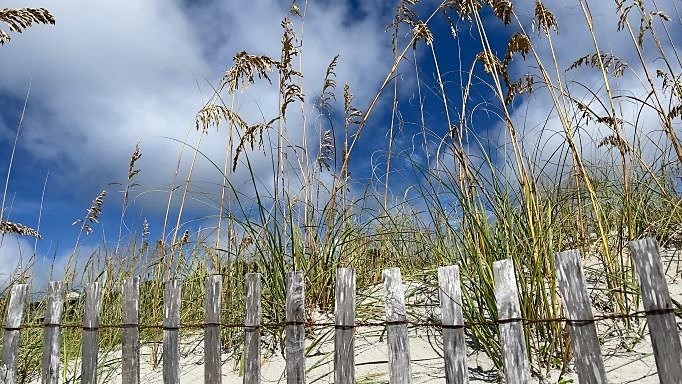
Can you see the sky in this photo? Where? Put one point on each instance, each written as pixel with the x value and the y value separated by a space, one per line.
pixel 111 75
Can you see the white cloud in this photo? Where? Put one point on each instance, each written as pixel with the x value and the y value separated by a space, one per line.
pixel 16 254
pixel 108 75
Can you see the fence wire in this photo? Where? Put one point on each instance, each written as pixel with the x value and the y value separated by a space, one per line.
pixel 362 324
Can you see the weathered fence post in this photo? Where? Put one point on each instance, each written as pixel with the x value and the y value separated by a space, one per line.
pixel 454 347
pixel 252 330
pixel 171 327
pixel 344 346
pixel 399 371
pixel 660 316
pixel 212 305
pixel 130 345
pixel 53 319
pixel 295 329
pixel 10 345
pixel 93 302
pixel 514 356
pixel 588 360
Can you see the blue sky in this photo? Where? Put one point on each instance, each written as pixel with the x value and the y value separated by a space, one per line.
pixel 110 75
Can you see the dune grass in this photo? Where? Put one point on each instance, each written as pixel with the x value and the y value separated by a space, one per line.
pixel 476 200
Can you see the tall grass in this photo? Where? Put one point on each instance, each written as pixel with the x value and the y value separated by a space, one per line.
pixel 476 199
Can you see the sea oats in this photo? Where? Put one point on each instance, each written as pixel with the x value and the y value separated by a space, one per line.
pixel 327 150
pixel 211 115
pixel 93 213
pixel 421 31
pixel 137 154
pixel 465 8
pixel 616 142
pixel 18 229
pixel 245 68
pixel 544 20
pixel 353 115
pixel 289 89
pixel 612 64
pixel 503 10
pixel 328 86
pixel 22 18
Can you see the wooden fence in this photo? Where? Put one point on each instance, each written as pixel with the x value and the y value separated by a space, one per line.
pixel 588 361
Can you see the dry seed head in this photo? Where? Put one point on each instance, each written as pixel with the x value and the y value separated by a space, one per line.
pixel 246 241
pixel 252 135
pixel 353 115
pixel 518 43
pixel 145 229
pixel 612 64
pixel 18 229
pixel 328 86
pixel 490 62
pixel 675 112
pixel 93 213
pixel 404 14
pixel 520 86
pixel 137 154
pixel 289 51
pixel 421 32
pixel 347 98
pixel 185 237
pixel 502 9
pixel 616 142
pixel 544 19
pixel 295 10
pixel 465 8
pixel 95 210
pixel 20 19
pixel 289 90
pixel 614 123
pixel 327 150
pixel 211 115
pixel 670 82
pixel 245 68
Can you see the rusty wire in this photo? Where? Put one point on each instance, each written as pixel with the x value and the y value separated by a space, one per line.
pixel 362 324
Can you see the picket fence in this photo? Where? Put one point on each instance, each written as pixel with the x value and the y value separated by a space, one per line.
pixel 587 355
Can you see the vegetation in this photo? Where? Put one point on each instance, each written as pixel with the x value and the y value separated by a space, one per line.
pixel 474 200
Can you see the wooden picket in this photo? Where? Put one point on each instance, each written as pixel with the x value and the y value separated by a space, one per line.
pixel 660 317
pixel 399 371
pixel 15 313
pixel 171 328
pixel 93 300
pixel 252 330
pixel 512 340
pixel 344 347
pixel 51 337
pixel 588 359
pixel 454 347
pixel 130 343
pixel 572 288
pixel 212 304
pixel 295 329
